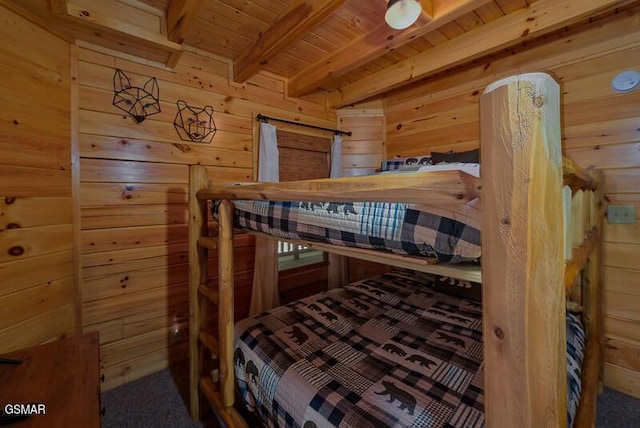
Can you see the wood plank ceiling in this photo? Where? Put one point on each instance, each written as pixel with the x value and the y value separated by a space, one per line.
pixel 341 47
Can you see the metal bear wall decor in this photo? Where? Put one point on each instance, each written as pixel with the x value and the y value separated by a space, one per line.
pixel 137 102
pixel 194 123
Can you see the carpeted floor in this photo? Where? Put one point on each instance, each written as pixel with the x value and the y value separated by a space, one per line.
pixel 618 410
pixel 156 401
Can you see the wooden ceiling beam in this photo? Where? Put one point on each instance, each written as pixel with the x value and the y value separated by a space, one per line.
pixel 181 15
pixel 378 42
pixel 524 24
pixel 427 8
pixel 302 17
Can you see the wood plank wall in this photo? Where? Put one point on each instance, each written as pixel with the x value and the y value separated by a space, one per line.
pixel 600 129
pixel 133 183
pixel 363 153
pixel 37 286
pixel 365 149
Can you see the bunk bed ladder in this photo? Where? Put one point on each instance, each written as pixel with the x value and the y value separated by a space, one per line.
pixel 589 257
pixel 199 291
pixel 214 381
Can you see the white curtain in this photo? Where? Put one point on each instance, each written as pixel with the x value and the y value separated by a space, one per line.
pixel 338 274
pixel 264 294
pixel 336 157
pixel 268 156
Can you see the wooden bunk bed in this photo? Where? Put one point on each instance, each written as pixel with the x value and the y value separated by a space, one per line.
pixel 534 252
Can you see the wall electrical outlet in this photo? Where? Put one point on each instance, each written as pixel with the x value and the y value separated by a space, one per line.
pixel 621 214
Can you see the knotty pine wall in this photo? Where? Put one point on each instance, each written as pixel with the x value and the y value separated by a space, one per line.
pixel 600 128
pixel 363 153
pixel 365 149
pixel 133 199
pixel 126 199
pixel 37 291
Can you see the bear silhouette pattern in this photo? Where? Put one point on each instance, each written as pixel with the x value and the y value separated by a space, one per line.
pixel 311 206
pixel 329 316
pixel 406 400
pixel 457 318
pixel 359 305
pixel 297 335
pixel 238 357
pixel 378 293
pixel 393 349
pixel 451 339
pixel 331 207
pixel 252 372
pixel 422 361
pixel 437 312
pixel 347 208
pixel 315 307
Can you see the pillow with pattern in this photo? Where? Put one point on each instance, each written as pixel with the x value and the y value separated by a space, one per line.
pixel 471 156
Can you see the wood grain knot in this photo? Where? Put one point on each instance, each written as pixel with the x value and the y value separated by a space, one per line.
pixel 499 333
pixel 16 250
pixel 9 200
pixel 538 101
pixel 13 226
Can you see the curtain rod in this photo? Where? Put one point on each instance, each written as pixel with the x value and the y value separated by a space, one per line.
pixel 263 118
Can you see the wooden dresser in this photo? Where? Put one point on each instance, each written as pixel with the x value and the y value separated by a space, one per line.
pixel 63 375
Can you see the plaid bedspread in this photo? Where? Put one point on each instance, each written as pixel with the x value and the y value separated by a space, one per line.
pixel 386 351
pixel 400 228
pixel 576 343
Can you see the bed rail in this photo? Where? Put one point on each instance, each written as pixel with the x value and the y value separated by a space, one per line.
pixel 442 187
pixel 592 295
pixel 464 271
pixel 576 177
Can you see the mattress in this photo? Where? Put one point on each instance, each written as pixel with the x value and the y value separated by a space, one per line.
pixel 385 351
pixel 449 233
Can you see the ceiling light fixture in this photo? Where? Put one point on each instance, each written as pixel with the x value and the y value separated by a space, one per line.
pixel 402 14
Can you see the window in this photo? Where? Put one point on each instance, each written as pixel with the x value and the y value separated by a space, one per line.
pixel 295 255
pixel 302 157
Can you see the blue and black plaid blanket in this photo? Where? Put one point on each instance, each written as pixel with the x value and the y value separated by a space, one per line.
pixel 399 228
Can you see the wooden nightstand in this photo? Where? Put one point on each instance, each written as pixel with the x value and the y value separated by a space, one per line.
pixel 63 375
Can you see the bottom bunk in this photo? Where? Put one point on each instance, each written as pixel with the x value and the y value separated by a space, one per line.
pixel 393 350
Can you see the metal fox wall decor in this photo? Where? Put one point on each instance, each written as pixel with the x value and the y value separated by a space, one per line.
pixel 137 102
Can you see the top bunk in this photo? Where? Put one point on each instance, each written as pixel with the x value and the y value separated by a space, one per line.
pixel 439 208
pixel 443 187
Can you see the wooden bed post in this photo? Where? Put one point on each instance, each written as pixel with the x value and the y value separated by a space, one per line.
pixel 595 297
pixel 197 275
pixel 523 254
pixel 593 317
pixel 225 306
